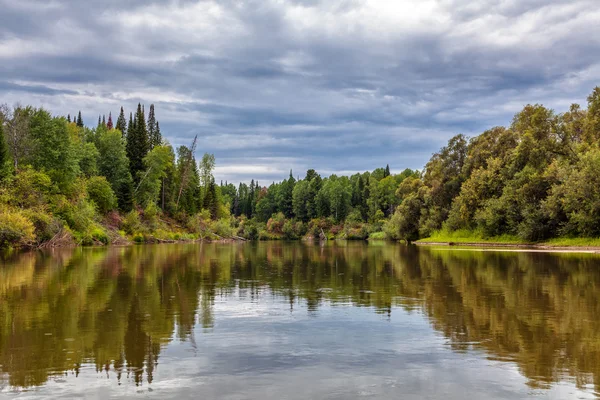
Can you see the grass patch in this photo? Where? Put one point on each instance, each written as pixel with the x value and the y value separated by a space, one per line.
pixel 467 236
pixel 378 236
pixel 573 242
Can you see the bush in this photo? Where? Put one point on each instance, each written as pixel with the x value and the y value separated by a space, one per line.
pixel 131 222
pixel 29 188
pixel 15 229
pixel 275 224
pixel 288 230
pixel 139 237
pixel 79 215
pixel 378 236
pixel 251 231
pixel 200 223
pixel 46 226
pixel 99 235
pixel 151 216
pixel 101 193
pixel 222 228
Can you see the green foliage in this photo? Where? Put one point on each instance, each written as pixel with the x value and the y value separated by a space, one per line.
pixel 15 229
pixel 53 149
pixel 132 223
pixel 156 164
pixel 114 165
pixel 138 144
pixel 101 193
pixel 4 156
pixel 80 214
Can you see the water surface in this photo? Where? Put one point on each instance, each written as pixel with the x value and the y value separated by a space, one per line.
pixel 299 321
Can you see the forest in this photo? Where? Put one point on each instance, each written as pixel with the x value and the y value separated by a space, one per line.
pixel 63 182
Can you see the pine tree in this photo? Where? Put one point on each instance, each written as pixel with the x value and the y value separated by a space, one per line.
pixel 99 121
pixel 109 124
pixel 211 202
pixel 79 120
pixel 130 127
pixel 157 135
pixel 104 121
pixel 69 118
pixel 122 122
pixel 387 171
pixel 151 125
pixel 137 144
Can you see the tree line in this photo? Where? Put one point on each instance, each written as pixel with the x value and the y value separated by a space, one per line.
pixel 533 180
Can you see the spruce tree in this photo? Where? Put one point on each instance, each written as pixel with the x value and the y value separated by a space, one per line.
pixel 151 126
pixel 99 121
pixel 69 118
pixel 130 126
pixel 157 135
pixel 387 171
pixel 109 124
pixel 104 121
pixel 79 120
pixel 122 122
pixel 137 145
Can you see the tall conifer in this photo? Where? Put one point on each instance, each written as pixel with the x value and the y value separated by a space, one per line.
pixel 79 120
pixel 109 124
pixel 122 122
pixel 137 144
pixel 152 128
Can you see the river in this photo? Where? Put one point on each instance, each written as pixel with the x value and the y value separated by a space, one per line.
pixel 275 320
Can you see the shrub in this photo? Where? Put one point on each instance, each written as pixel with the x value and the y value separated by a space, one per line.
pixel 46 226
pixel 99 235
pixel 15 229
pixel 200 223
pixel 79 215
pixel 29 188
pixel 151 215
pixel 222 228
pixel 101 193
pixel 288 230
pixel 131 223
pixel 378 236
pixel 139 237
pixel 275 224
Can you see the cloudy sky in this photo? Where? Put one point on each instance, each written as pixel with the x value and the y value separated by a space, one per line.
pixel 268 85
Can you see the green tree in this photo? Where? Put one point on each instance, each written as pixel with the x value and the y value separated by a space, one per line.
pixel 53 149
pixel 154 134
pixel 114 165
pixel 156 164
pixel 138 144
pixel 121 122
pixel 101 193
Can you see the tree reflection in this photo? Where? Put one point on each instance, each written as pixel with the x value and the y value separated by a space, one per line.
pixel 118 307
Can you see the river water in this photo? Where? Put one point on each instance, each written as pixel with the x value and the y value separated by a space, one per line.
pixel 303 321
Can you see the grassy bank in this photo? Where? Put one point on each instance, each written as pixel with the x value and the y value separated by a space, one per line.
pixel 475 238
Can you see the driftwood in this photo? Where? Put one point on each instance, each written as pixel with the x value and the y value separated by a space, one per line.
pixel 62 238
pixel 323 236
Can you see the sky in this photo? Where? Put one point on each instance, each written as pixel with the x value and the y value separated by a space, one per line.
pixel 340 86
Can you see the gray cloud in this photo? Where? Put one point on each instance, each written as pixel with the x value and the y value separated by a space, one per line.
pixel 340 86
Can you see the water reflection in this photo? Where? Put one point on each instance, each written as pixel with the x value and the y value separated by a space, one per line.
pixel 117 308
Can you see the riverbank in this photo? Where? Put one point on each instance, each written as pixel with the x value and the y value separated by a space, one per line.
pixel 472 239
